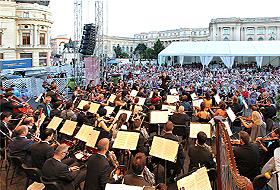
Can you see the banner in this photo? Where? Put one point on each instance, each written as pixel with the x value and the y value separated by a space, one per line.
pixel 92 69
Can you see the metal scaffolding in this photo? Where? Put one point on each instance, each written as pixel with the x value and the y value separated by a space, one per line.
pixel 78 31
pixel 99 48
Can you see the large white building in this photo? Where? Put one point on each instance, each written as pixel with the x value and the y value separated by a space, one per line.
pixel 25 31
pixel 245 29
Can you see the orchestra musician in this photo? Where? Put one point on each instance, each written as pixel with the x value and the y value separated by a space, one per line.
pixel 21 146
pixel 207 101
pixel 69 177
pixel 136 177
pixel 8 104
pixel 42 150
pixel 68 113
pixel 84 116
pixel 247 157
pixel 165 79
pixel 5 128
pixel 180 117
pixel 98 167
pixel 46 106
pixel 269 112
pixel 222 110
pixel 203 115
pixel 257 126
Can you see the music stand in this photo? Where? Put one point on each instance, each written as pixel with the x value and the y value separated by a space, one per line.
pixel 5 149
pixel 173 91
pixel 93 107
pixel 231 114
pixel 92 138
pixel 197 102
pixel 122 187
pixel 126 140
pixel 68 127
pixel 165 149
pixel 171 99
pixel 133 93
pixel 158 117
pixel 109 110
pixel 55 122
pixel 195 128
pixel 217 98
pixel 170 109
pixel 82 104
pixel 112 98
pixel 194 96
pixel 84 133
pixel 123 111
pixel 141 101
pixel 196 181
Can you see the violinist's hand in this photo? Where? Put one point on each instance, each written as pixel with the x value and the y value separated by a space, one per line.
pixel 74 168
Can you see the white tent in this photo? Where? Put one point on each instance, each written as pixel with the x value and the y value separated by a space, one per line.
pixel 226 50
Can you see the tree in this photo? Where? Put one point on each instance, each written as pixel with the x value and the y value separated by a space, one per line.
pixel 149 53
pixel 158 47
pixel 118 51
pixel 140 49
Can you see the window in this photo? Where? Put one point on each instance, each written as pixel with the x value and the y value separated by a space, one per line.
pixel 43 58
pixel 44 16
pixel 25 55
pixel 260 39
pixel 25 38
pixel 250 31
pixel 272 30
pixel 261 30
pixel 250 39
pixel 1 34
pixel 226 31
pixel 42 39
pixel 1 55
pixel 25 15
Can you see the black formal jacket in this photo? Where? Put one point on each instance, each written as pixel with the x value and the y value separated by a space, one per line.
pixel 180 119
pixel 54 170
pixel 21 146
pixel 40 152
pixel 247 160
pixel 7 106
pixel 98 172
pixel 4 129
pixel 44 107
pixel 132 179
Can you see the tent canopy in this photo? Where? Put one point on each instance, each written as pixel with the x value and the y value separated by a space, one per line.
pixel 227 50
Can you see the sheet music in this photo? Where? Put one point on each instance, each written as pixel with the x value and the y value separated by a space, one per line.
pixel 170 109
pixel 39 97
pixel 141 101
pixel 196 181
pixel 110 186
pixel 109 110
pixel 217 98
pixel 277 162
pixel 83 133
pixel 195 128
pixel 171 99
pixel 93 107
pixel 164 148
pixel 158 117
pixel 151 94
pixel 133 93
pixel 173 91
pixel 231 114
pixel 245 104
pixel 126 140
pixel 228 128
pixel 82 103
pixel 196 103
pixel 54 123
pixel 42 119
pixel 68 127
pixel 112 98
pixel 194 96
pixel 92 138
pixel 123 111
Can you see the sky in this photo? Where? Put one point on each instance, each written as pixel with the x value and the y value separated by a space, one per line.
pixel 129 17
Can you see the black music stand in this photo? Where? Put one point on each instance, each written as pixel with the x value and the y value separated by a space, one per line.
pixel 159 117
pixel 165 149
pixel 5 149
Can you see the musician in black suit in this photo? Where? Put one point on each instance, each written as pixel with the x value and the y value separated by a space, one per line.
pixel 42 151
pixel 165 79
pixel 98 168
pixel 84 117
pixel 46 106
pixel 21 146
pixel 180 117
pixel 5 130
pixel 174 169
pixel 53 93
pixel 6 103
pixel 200 155
pixel 69 178
pixel 247 157
pixel 136 178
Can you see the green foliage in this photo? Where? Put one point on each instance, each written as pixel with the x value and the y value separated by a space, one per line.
pixel 278 107
pixel 149 53
pixel 158 47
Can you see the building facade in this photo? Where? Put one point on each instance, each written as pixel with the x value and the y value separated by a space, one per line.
pixel 25 31
pixel 245 29
pixel 57 45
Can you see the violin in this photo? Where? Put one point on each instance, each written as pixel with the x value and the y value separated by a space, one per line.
pixel 17 102
pixel 267 138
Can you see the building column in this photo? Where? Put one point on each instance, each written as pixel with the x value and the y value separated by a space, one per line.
pixel 35 59
pixel 20 37
pixel 232 34
pixel 48 58
pixel 35 35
